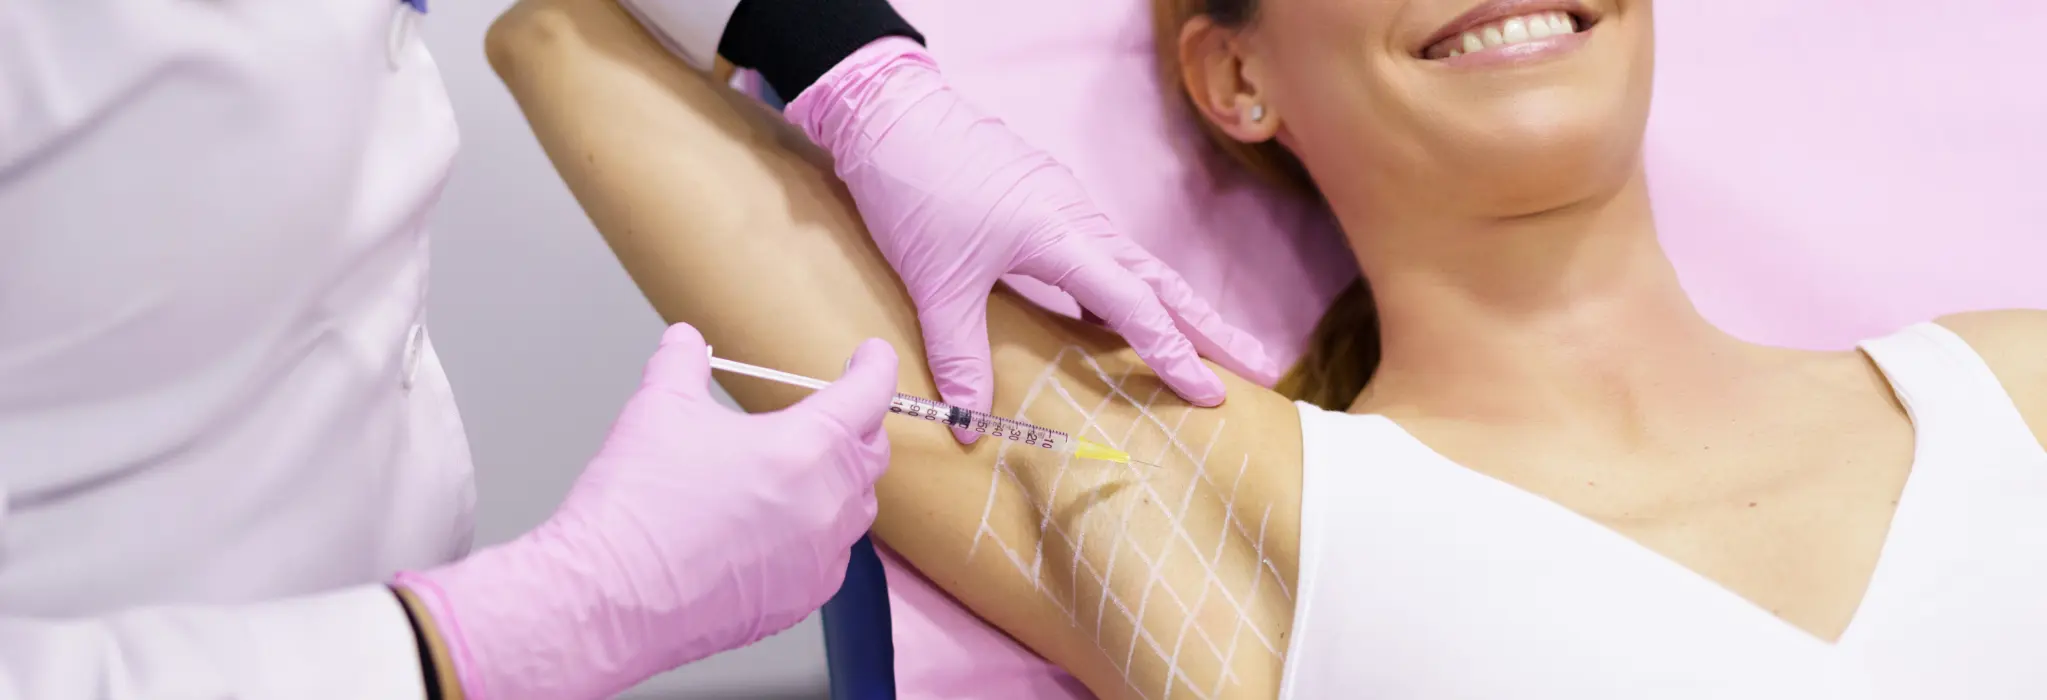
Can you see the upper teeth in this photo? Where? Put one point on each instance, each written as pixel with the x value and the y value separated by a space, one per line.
pixel 1512 30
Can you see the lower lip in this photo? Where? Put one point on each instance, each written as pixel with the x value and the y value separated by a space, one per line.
pixel 1523 53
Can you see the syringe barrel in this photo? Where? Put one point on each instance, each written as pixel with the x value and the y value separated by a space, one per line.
pixel 983 423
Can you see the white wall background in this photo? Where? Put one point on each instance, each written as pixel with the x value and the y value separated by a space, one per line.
pixel 543 337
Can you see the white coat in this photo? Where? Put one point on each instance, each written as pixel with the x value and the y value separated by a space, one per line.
pixel 222 422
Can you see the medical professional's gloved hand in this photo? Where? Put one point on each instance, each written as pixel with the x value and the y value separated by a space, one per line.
pixel 695 530
pixel 955 200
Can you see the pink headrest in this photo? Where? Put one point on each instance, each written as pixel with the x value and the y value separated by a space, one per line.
pixel 1829 170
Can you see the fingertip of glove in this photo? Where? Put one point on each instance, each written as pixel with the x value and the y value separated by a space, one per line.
pixel 681 334
pixel 875 349
pixel 1198 384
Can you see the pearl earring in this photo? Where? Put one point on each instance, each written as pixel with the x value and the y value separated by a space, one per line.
pixel 1257 113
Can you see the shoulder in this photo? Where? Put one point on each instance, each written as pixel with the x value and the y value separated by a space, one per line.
pixel 2014 343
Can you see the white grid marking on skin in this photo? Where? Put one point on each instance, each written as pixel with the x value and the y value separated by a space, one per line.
pixel 1087 420
pixel 1109 600
pixel 1257 575
pixel 1032 571
pixel 1214 560
pixel 1090 420
pixel 1155 568
pixel 1071 615
pixel 1044 377
pixel 1109 569
pixel 1175 440
pixel 1137 630
pixel 1080 543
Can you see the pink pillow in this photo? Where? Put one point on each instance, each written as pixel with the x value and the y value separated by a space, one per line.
pixel 1824 171
pixel 1830 170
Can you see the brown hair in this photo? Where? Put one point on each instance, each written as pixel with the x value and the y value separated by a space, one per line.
pixel 1344 349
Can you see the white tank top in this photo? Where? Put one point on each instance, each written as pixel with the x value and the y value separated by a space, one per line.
pixel 1422 579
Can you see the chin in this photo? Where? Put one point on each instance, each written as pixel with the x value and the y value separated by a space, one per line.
pixel 1540 150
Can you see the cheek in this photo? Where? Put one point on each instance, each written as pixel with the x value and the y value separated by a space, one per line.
pixel 1338 112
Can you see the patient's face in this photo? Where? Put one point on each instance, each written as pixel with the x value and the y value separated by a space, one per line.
pixel 1536 105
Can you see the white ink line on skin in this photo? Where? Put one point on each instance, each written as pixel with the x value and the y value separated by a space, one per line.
pixel 1049 374
pixel 1093 497
pixel 1072 615
pixel 1109 598
pixel 1118 390
pixel 1180 639
pixel 1123 444
pixel 1052 497
pixel 1258 575
pixel 1222 538
pixel 1016 559
pixel 1097 367
pixel 1172 435
pixel 1174 596
pixel 1237 633
pixel 994 485
pixel 1153 579
pixel 1157 568
pixel 1173 519
pixel 1122 526
pixel 1212 578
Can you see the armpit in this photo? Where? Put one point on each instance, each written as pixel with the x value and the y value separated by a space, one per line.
pixel 1167 572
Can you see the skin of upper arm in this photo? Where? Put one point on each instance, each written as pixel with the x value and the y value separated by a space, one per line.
pixel 2014 343
pixel 1135 579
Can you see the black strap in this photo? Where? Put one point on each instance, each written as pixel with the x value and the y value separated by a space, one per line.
pixel 428 673
pixel 792 43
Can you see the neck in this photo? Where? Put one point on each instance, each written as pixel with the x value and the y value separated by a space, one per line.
pixel 1571 314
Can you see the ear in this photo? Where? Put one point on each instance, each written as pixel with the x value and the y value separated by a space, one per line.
pixel 1214 70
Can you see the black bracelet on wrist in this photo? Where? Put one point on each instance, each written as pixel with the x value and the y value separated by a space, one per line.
pixel 792 43
pixel 429 674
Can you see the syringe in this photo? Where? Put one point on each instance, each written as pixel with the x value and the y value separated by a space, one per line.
pixel 953 416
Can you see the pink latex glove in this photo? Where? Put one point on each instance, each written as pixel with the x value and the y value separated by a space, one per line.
pixel 695 530
pixel 955 200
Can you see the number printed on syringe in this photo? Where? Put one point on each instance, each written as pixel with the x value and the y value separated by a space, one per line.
pixel 1030 435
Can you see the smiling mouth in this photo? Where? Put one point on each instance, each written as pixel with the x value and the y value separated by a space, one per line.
pixel 1508 31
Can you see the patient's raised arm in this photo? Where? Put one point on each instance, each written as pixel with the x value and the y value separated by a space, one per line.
pixel 1141 581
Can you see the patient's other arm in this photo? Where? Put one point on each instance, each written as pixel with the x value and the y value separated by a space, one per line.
pixel 1136 580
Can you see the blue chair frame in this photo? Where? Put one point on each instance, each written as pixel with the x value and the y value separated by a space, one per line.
pixel 859 643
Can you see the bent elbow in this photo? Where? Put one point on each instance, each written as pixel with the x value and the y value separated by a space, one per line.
pixel 527 29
